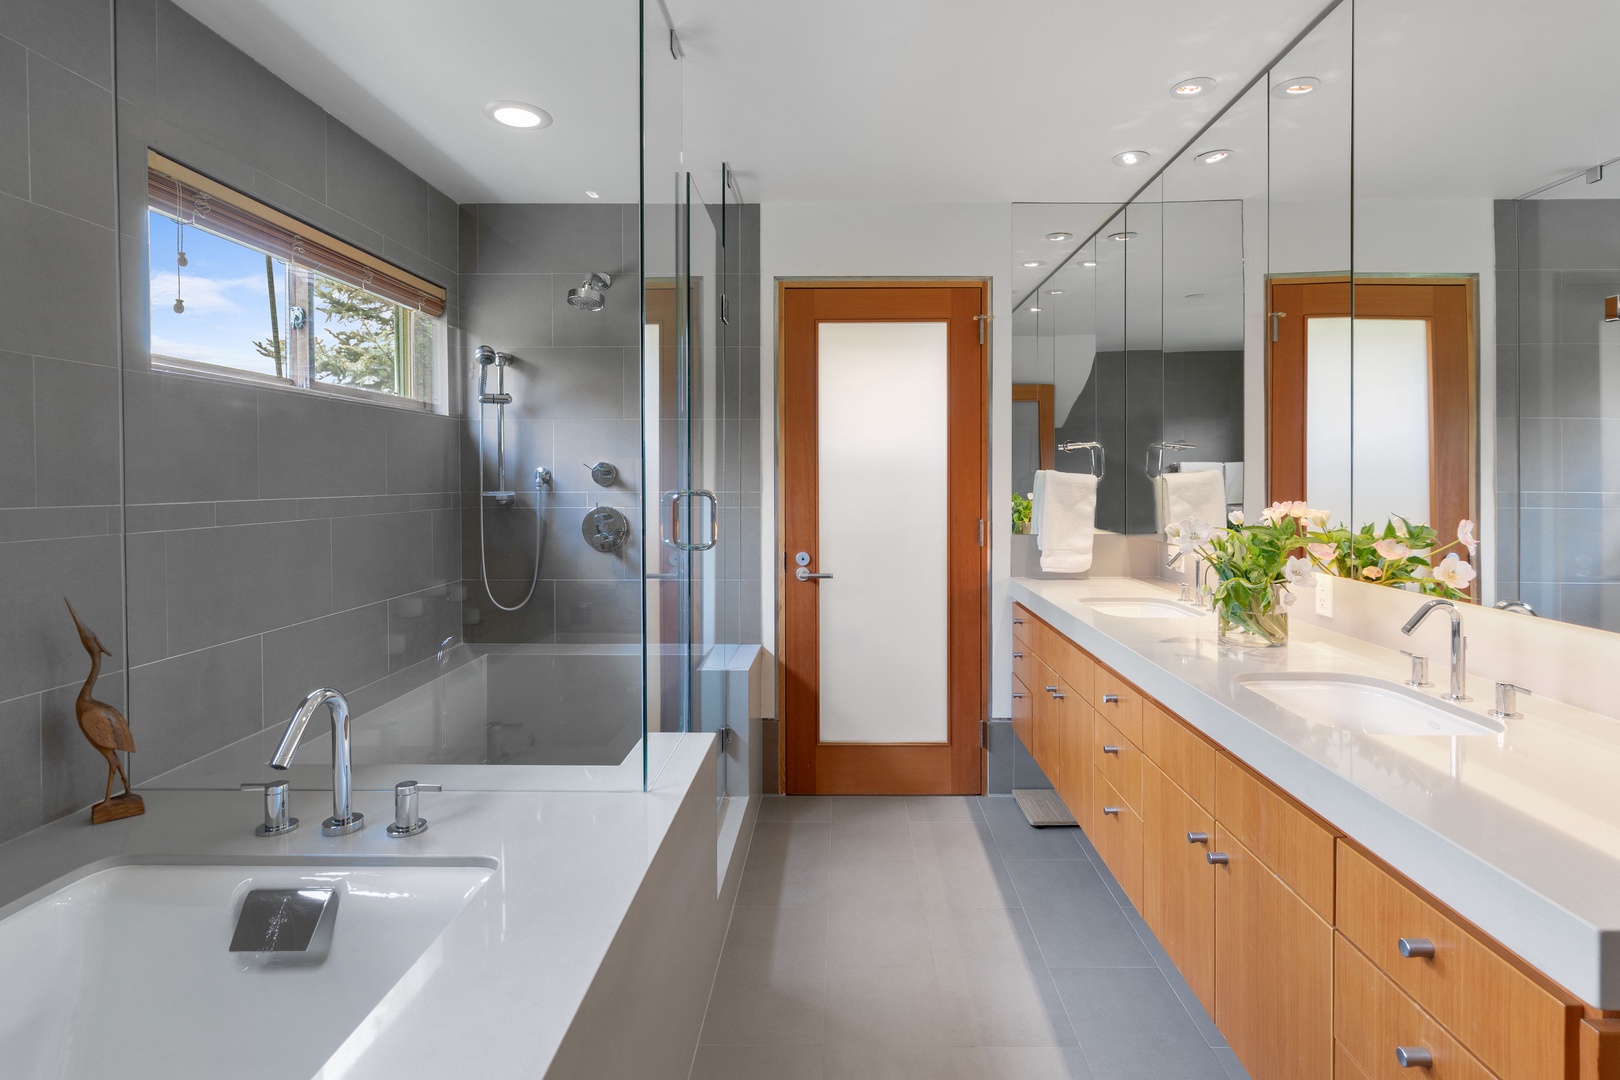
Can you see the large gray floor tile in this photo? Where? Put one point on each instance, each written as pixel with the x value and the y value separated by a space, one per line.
pixel 771 986
pixel 877 937
pixel 1018 839
pixel 960 866
pixel 874 885
pixel 886 1023
pixel 885 838
pixel 1021 1063
pixel 960 808
pixel 1076 920
pixel 1133 1028
pixel 755 1062
pixel 998 990
pixel 788 864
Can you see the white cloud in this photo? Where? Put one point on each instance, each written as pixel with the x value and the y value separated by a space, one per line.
pixel 204 296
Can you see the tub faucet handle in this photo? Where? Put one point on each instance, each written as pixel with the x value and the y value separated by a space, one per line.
pixel 406 823
pixel 276 819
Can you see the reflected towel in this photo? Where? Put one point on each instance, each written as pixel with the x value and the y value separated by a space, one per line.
pixel 1232 471
pixel 1199 495
pixel 1065 518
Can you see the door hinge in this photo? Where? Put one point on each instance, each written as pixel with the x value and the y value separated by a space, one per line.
pixel 981 320
pixel 1274 316
pixel 984 733
pixel 725 739
pixel 981 532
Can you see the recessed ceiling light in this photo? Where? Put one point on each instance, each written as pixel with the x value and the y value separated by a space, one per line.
pixel 1213 157
pixel 1295 87
pixel 592 194
pixel 1129 158
pixel 1054 292
pixel 517 114
pixel 1089 262
pixel 1122 236
pixel 1033 310
pixel 1059 237
pixel 1034 264
pixel 1191 87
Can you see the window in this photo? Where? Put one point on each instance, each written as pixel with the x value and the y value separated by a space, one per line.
pixel 240 289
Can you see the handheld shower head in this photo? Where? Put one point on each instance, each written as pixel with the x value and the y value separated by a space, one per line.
pixel 588 297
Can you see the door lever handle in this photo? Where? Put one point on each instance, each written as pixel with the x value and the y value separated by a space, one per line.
pixel 805 574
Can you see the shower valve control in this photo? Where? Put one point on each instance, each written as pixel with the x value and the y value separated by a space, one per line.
pixel 406 823
pixel 605 528
pixel 604 473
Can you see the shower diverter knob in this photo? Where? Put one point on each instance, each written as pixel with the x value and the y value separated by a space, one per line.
pixel 604 473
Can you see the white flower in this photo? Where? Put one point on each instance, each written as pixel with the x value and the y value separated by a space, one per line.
pixel 1453 572
pixel 1188 535
pixel 1318 518
pixel 1400 525
pixel 1235 517
pixel 1299 571
pixel 1465 535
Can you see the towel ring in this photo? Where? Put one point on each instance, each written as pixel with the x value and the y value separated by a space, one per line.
pixel 1155 455
pixel 1096 449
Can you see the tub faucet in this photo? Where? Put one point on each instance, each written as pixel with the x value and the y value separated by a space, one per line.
pixel 1459 645
pixel 344 819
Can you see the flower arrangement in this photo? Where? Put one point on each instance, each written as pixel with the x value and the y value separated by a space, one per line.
pixel 1023 510
pixel 1400 553
pixel 1254 567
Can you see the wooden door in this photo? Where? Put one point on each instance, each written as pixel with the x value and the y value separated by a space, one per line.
pixel 1178 883
pixel 1446 305
pixel 1273 970
pixel 914 727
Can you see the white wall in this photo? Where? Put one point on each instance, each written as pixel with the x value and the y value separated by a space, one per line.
pixel 896 240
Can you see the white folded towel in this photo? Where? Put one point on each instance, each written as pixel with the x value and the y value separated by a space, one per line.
pixel 1065 518
pixel 1200 495
pixel 1234 483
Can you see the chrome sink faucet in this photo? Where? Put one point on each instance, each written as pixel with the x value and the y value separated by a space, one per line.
pixel 1459 645
pixel 344 819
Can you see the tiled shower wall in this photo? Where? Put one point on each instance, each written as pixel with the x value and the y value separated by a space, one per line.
pixel 1558 408
pixel 275 540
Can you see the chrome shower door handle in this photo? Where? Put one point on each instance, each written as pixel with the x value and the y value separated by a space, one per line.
pixel 714 519
pixel 675 498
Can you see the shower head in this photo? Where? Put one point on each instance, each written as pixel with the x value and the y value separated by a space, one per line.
pixel 486 356
pixel 588 297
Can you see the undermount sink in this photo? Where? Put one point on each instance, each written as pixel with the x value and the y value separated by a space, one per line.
pixel 1141 607
pixel 1361 703
pixel 130 972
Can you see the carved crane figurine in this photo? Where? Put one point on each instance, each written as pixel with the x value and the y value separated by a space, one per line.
pixel 107 731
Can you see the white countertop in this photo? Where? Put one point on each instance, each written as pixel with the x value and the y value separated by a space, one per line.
pixel 503 982
pixel 1519 833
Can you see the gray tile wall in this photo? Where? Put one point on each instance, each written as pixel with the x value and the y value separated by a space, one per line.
pixel 274 540
pixel 60 519
pixel 1558 408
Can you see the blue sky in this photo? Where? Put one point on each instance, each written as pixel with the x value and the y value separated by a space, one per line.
pixel 227 305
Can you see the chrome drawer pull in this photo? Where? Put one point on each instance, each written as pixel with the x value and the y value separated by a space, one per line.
pixel 1217 858
pixel 1056 696
pixel 1413 1057
pixel 1018 697
pixel 1051 689
pixel 1110 699
pixel 1110 811
pixel 1198 838
pixel 1110 749
pixel 1018 622
pixel 1018 656
pixel 1416 948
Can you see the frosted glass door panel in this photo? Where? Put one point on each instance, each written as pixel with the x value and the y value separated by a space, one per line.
pixel 882 396
pixel 1367 436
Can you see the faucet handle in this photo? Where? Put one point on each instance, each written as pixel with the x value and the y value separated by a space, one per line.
pixel 1507 701
pixel 1420 669
pixel 276 821
pixel 406 823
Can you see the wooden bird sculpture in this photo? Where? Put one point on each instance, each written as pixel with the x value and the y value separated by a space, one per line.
pixel 107 731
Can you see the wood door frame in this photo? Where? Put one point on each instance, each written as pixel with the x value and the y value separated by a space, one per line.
pixel 1044 395
pixel 1335 295
pixel 980 493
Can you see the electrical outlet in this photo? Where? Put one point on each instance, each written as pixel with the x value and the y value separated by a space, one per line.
pixel 1324 596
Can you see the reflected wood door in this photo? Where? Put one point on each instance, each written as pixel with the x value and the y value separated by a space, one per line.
pixel 884 428
pixel 1447 306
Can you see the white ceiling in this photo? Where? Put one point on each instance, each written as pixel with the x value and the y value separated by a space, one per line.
pixel 952 100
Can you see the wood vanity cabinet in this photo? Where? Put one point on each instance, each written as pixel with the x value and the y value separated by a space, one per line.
pixel 1292 936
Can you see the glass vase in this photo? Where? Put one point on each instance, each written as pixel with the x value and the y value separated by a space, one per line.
pixel 1259 623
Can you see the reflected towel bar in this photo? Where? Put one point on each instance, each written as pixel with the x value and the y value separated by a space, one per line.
pixel 1096 449
pixel 1155 455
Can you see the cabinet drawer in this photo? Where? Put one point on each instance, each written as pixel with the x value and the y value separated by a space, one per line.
pixel 1118 702
pixel 1501 1015
pixel 1117 835
pixel 1292 843
pixel 1072 664
pixel 1024 665
pixel 1182 753
pixel 1023 713
pixel 1120 762
pixel 1022 622
pixel 1372 1017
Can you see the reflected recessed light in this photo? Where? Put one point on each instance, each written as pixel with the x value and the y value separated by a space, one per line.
pixel 1212 157
pixel 592 194
pixel 1295 87
pixel 1033 310
pixel 1059 237
pixel 1054 292
pixel 1122 236
pixel 1191 87
pixel 1036 263
pixel 1129 158
pixel 1089 262
pixel 517 114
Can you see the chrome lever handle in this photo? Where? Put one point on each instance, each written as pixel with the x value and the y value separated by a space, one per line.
pixel 276 819
pixel 806 574
pixel 406 823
